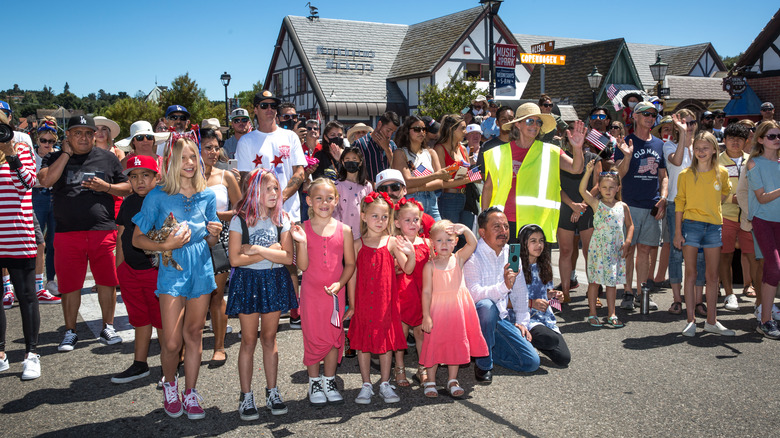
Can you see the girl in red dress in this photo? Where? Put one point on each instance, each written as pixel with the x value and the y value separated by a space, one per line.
pixel 373 295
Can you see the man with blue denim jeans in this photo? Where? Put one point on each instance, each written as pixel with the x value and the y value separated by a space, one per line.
pixel 497 289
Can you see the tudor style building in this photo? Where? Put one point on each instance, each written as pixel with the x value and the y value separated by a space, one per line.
pixel 760 65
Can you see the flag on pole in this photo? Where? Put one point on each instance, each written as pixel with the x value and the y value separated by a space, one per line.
pixel 612 91
pixel 474 174
pixel 599 140
pixel 421 170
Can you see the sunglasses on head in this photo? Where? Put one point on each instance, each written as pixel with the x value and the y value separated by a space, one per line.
pixel 241 120
pixel 531 122
pixel 394 187
pixel 266 105
pixel 47 141
pixel 141 137
pixel 419 129
pixel 649 114
pixel 175 117
pixel 772 137
pixel 288 116
pixel 598 116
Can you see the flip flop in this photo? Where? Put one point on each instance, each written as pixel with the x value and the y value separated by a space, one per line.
pixel 613 322
pixel 594 321
pixel 749 292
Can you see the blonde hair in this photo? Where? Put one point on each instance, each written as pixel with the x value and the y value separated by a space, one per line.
pixel 379 200
pixel 761 130
pixel 685 112
pixel 171 170
pixel 403 207
pixel 321 182
pixel 440 227
pixel 709 138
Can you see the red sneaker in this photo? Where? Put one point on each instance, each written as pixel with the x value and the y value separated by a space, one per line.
pixel 44 297
pixel 171 401
pixel 192 401
pixel 8 299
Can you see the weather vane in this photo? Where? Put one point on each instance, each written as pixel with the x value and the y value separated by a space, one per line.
pixel 313 14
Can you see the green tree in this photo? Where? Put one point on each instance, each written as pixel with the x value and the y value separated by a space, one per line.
pixel 730 61
pixel 456 94
pixel 128 110
pixel 245 98
pixel 185 91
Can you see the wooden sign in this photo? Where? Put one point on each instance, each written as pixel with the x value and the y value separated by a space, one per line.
pixel 543 47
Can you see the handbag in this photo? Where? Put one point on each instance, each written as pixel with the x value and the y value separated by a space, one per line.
pixel 219 257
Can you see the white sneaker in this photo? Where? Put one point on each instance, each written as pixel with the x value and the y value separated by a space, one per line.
pixel 718 329
pixel 316 393
pixel 366 392
pixel 52 287
pixel 331 391
pixel 775 313
pixel 690 329
pixel 31 367
pixel 387 393
pixel 730 302
pixel 4 365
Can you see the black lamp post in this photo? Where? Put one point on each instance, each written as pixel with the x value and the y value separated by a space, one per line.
pixel 594 80
pixel 658 70
pixel 225 78
pixel 492 6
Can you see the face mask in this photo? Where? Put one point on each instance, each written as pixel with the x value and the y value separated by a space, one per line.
pixel 658 107
pixel 351 166
pixel 632 104
pixel 477 112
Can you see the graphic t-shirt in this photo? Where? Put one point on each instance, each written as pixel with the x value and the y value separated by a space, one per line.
pixel 640 184
pixel 263 233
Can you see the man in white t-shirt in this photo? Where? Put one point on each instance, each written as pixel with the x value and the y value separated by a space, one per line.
pixel 276 149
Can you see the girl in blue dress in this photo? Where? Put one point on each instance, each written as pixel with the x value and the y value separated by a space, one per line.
pixel 184 294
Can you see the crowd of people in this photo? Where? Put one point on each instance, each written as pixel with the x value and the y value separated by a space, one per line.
pixel 424 232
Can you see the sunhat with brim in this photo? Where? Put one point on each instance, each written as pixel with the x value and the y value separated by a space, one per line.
pixel 656 131
pixel 628 95
pixel 359 127
pixel 527 110
pixel 112 125
pixel 141 127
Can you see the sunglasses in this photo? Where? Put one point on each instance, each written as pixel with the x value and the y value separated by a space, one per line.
pixel 767 109
pixel 609 172
pixel 182 117
pixel 394 187
pixel 772 137
pixel 598 116
pixel 720 117
pixel 312 128
pixel 287 116
pixel 649 114
pixel 142 137
pixel 241 120
pixel 418 129
pixel 614 127
pixel 531 122
pixel 547 105
pixel 708 118
pixel 45 141
pixel 266 105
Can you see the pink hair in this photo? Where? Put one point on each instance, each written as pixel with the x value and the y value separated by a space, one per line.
pixel 250 208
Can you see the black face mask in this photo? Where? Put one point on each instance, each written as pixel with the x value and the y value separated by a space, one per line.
pixel 351 166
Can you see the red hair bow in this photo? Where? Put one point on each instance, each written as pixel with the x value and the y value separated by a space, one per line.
pixel 371 197
pixel 404 201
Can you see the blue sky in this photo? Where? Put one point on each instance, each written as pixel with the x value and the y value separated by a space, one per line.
pixel 125 45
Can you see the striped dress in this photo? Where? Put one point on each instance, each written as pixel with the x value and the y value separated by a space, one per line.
pixel 17 232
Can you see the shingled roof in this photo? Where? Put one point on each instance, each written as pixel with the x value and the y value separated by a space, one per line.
pixel 570 82
pixel 682 60
pixel 644 55
pixel 696 87
pixel 526 41
pixel 427 43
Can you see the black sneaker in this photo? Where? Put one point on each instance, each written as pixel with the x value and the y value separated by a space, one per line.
pixel 295 323
pixel 273 400
pixel 69 341
pixel 136 371
pixel 108 336
pixel 246 408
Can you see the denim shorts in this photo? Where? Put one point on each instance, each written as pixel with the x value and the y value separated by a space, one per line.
pixel 701 234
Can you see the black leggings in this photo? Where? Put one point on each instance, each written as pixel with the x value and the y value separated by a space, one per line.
pixel 550 343
pixel 23 280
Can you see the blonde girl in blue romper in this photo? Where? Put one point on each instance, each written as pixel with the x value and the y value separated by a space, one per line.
pixel 184 295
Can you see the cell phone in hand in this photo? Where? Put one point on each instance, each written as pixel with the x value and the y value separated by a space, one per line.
pixel 654 211
pixel 232 163
pixel 514 257
pixel 288 124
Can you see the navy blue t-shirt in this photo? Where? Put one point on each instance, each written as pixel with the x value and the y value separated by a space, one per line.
pixel 640 184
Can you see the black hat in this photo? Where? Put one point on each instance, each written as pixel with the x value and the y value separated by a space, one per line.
pixel 432 125
pixel 632 94
pixel 265 95
pixel 82 121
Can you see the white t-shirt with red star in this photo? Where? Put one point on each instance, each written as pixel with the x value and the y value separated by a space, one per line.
pixel 276 151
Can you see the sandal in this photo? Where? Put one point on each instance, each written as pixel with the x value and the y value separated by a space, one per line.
pixel 594 321
pixel 429 390
pixel 701 310
pixel 675 308
pixel 598 303
pixel 421 376
pixel 454 388
pixel 613 322
pixel 749 292
pixel 400 372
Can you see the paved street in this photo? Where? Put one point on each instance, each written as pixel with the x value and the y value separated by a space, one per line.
pixel 643 380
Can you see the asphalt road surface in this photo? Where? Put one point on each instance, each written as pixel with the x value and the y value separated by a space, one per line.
pixel 642 380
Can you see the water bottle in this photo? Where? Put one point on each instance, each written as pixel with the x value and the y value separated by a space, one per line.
pixel 644 306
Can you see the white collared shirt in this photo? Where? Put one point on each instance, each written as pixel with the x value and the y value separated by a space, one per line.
pixel 484 275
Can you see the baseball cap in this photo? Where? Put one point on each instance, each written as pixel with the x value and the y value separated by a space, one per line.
pixel 706 114
pixel 264 95
pixel 389 175
pixel 239 112
pixel 141 162
pixel 82 121
pixel 210 124
pixel 433 125
pixel 5 107
pixel 473 127
pixel 176 109
pixel 765 105
pixel 644 106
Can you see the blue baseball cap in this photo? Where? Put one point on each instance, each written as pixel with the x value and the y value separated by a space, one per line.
pixel 5 107
pixel 176 109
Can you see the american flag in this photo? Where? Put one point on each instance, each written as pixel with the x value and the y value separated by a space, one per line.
pixel 598 140
pixel 421 170
pixel 474 174
pixel 555 304
pixel 612 91
pixel 648 165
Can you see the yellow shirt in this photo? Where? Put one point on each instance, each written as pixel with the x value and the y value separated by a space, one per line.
pixel 700 198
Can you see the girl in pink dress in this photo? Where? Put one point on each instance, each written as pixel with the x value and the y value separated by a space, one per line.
pixel 450 321
pixel 323 243
pixel 373 295
pixel 408 221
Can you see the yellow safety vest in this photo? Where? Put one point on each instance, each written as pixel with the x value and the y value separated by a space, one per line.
pixel 537 187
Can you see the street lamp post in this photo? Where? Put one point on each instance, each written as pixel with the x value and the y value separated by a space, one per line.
pixel 594 80
pixel 658 70
pixel 225 78
pixel 492 6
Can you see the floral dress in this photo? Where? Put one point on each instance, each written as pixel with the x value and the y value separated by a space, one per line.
pixel 605 264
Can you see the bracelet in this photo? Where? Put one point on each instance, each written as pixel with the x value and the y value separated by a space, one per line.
pixel 68 154
pixel 109 188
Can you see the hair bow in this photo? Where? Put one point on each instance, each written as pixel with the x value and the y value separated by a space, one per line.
pixel 404 201
pixel 373 196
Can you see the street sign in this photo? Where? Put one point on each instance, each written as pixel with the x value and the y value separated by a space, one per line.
pixel 532 58
pixel 506 57
pixel 543 47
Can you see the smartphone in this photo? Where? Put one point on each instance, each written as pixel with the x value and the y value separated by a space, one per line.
pixel 86 176
pixel 654 211
pixel 232 163
pixel 288 124
pixel 302 121
pixel 514 257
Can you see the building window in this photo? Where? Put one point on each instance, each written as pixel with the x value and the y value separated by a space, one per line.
pixel 300 81
pixel 278 85
pixel 478 72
